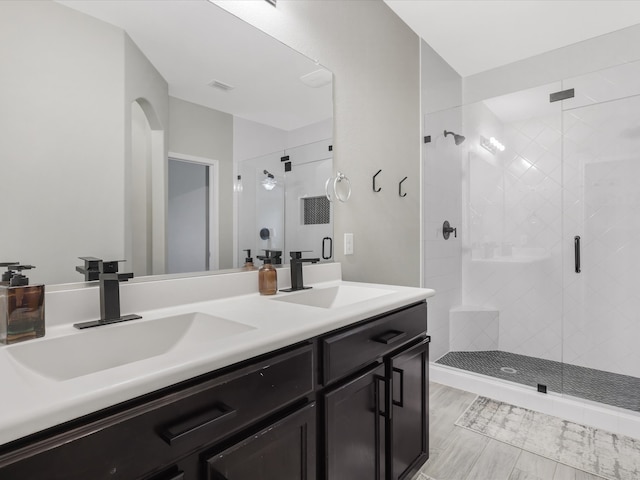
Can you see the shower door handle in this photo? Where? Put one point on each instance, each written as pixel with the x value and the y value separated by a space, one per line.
pixel 576 252
pixel 324 255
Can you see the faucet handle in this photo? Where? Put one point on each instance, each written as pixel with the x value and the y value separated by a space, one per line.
pixel 297 254
pixel 91 268
pixel 109 267
pixel 123 277
pixel 112 267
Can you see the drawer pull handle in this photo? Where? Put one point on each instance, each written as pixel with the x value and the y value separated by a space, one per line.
pixel 390 337
pixel 197 423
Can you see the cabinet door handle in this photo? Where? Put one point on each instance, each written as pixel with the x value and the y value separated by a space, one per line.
pixel 576 252
pixel 399 403
pixel 197 423
pixel 392 336
pixel 378 413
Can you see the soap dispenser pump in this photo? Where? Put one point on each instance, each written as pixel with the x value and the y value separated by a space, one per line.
pixel 21 308
pixel 6 276
pixel 267 278
pixel 248 261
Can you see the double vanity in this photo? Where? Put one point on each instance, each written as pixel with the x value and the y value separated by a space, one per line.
pixel 217 382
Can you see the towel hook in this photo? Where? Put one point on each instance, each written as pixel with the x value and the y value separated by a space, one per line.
pixel 374 182
pixel 400 188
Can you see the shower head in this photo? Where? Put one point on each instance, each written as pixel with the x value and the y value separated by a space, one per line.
pixel 456 138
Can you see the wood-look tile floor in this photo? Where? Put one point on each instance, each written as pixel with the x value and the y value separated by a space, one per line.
pixel 459 454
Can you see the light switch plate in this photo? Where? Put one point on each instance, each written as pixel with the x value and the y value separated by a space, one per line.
pixel 348 243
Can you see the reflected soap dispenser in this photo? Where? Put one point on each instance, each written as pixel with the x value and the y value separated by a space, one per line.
pixel 267 278
pixel 248 261
pixel 21 308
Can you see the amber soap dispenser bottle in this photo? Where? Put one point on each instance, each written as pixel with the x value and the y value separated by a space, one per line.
pixel 267 278
pixel 21 308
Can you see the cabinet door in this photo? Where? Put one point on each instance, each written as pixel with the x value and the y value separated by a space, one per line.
pixel 354 437
pixel 408 422
pixel 284 450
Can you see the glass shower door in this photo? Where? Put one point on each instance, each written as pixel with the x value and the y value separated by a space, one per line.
pixel 510 323
pixel 601 203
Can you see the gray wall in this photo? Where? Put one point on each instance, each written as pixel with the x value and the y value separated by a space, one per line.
pixel 375 59
pixel 203 132
pixel 61 125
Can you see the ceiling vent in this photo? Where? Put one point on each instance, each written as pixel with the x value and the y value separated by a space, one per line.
pixel 225 87
pixel 316 79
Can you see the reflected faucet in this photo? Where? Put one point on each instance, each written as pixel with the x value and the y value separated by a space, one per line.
pixel 296 271
pixel 107 273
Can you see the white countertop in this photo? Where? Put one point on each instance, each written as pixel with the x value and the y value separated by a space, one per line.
pixel 31 401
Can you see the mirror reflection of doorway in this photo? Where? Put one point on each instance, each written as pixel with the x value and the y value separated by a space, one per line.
pixel 192 244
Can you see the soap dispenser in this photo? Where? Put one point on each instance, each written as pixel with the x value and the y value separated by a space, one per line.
pixel 248 261
pixel 21 308
pixel 267 278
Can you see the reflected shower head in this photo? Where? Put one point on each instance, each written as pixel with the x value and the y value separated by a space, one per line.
pixel 269 181
pixel 456 138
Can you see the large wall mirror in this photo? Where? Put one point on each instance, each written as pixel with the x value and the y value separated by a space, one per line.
pixel 169 134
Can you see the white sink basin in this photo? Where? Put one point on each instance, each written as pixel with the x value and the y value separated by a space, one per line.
pixel 108 346
pixel 334 297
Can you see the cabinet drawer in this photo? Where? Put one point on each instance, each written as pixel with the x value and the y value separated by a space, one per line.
pixel 147 437
pixel 285 450
pixel 354 348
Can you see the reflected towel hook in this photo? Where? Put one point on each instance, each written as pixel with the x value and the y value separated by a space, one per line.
pixel 374 182
pixel 400 188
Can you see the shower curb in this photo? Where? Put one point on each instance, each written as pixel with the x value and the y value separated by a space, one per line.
pixel 585 412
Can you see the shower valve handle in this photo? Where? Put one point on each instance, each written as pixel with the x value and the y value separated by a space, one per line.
pixel 447 230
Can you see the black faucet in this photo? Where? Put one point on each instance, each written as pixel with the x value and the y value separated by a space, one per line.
pixel 296 271
pixel 274 255
pixel 107 273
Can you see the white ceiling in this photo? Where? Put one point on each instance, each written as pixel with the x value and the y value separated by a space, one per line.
pixel 478 35
pixel 191 43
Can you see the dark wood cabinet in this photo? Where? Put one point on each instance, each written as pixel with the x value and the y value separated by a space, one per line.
pixel 348 405
pixel 146 436
pixel 354 435
pixel 407 422
pixel 283 450
pixel 377 419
